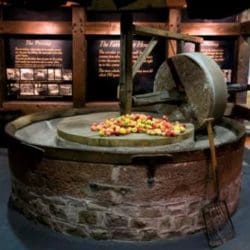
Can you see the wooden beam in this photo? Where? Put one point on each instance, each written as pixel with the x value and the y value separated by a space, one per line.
pixel 126 80
pixel 140 60
pixel 167 34
pixel 176 4
pixel 35 28
pixel 79 56
pixel 113 28
pixel 180 46
pixel 242 66
pixel 245 28
pixel 174 20
pixel 211 29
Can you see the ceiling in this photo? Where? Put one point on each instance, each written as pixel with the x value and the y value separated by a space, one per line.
pixel 207 9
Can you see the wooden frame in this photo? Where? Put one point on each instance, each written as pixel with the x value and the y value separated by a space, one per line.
pixel 113 28
pixel 79 56
pixel 79 28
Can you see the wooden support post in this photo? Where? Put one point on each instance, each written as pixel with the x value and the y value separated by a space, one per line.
pixel 180 46
pixel 197 47
pixel 2 66
pixel 79 53
pixel 126 81
pixel 242 66
pixel 243 58
pixel 174 25
pixel 140 60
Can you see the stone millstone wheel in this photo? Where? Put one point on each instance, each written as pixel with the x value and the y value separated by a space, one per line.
pixel 203 84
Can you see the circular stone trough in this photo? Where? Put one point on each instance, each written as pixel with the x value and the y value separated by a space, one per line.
pixel 118 192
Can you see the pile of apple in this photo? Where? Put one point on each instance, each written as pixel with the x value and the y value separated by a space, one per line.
pixel 138 123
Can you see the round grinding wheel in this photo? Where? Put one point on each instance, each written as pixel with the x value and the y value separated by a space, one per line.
pixel 201 80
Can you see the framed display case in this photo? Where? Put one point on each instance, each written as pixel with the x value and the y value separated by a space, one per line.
pixel 38 69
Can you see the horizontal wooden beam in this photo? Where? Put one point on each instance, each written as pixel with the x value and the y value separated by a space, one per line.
pixel 211 29
pixel 103 28
pixel 245 28
pixel 167 34
pixel 113 28
pixel 180 4
pixel 35 28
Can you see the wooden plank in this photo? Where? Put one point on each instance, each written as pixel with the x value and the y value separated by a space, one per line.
pixel 245 28
pixel 168 34
pixel 174 26
pixel 29 107
pixel 176 4
pixel 242 66
pixel 36 28
pixel 2 66
pixel 126 81
pixel 180 46
pixel 144 55
pixel 79 54
pixel 113 28
pixel 197 47
pixel 103 28
pixel 211 29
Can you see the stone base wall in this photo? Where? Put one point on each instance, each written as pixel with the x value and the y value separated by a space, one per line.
pixel 106 201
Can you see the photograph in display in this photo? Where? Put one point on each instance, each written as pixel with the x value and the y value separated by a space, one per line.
pixel 65 89
pixel 58 74
pixel 40 74
pixel 51 75
pixel 13 74
pixel 14 89
pixel 27 89
pixel 53 89
pixel 67 75
pixel 36 63
pixel 27 74
pixel 41 89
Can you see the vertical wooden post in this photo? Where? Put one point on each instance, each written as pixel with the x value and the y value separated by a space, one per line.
pixel 174 25
pixel 197 47
pixel 79 54
pixel 2 66
pixel 242 66
pixel 243 56
pixel 126 80
pixel 180 46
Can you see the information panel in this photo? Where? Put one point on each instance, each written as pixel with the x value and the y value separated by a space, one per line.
pixel 222 51
pixel 104 67
pixel 39 68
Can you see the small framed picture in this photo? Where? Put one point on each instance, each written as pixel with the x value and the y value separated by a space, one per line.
pixel 14 89
pixel 40 74
pixel 27 74
pixel 58 74
pixel 53 89
pixel 13 74
pixel 67 74
pixel 41 89
pixel 27 89
pixel 51 75
pixel 65 89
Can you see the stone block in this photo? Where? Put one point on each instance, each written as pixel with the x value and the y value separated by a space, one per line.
pixel 87 217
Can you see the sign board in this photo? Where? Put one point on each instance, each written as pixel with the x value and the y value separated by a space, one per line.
pixel 104 67
pixel 39 68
